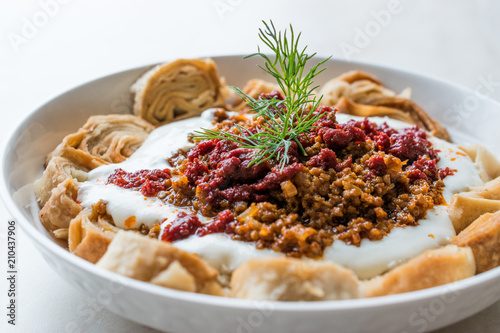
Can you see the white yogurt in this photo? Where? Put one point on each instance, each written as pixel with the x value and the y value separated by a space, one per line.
pixel 371 258
pixel 222 252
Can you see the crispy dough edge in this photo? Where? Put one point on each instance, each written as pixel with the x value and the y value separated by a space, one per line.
pixel 483 237
pixel 61 207
pixel 86 239
pixel 487 163
pixel 430 269
pixel 145 259
pixel 466 207
pixel 286 279
pixel 146 84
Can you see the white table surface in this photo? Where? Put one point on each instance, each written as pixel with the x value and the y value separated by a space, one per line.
pixel 82 40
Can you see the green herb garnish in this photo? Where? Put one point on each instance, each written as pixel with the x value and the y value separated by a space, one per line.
pixel 281 129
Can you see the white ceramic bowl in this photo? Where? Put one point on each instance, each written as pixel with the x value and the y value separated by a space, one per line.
pixel 469 115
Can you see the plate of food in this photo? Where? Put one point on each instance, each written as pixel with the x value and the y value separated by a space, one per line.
pixel 276 192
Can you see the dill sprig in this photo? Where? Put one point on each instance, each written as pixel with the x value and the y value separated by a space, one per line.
pixel 274 138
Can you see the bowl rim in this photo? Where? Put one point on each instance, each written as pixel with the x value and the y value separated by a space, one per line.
pixel 336 305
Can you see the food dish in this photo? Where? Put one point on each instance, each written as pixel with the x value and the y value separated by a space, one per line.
pixel 291 175
pixel 380 303
pixel 358 207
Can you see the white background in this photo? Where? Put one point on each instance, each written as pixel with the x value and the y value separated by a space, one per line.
pixel 82 40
